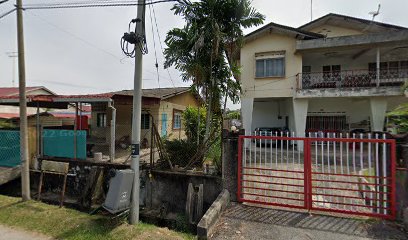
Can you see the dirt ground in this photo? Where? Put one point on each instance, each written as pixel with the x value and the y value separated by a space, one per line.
pixel 7 233
pixel 248 222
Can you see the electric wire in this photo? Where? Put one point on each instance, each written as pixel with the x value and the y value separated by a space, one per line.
pixel 94 4
pixel 89 43
pixel 160 42
pixel 154 46
pixel 7 13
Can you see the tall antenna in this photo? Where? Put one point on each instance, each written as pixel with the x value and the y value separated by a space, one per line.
pixel 311 10
pixel 375 13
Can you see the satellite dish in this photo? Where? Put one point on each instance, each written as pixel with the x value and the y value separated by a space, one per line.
pixel 375 13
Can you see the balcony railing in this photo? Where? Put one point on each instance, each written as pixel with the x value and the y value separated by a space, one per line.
pixel 351 79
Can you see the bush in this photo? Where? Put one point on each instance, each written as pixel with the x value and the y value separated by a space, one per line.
pixel 190 118
pixel 180 151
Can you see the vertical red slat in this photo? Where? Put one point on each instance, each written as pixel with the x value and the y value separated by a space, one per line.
pixel 309 173
pixel 239 198
pixel 393 182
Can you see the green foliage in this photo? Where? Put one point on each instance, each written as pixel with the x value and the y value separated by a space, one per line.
pixel 64 223
pixel 236 114
pixel 6 124
pixel 215 154
pixel 180 151
pixel 181 223
pixel 207 48
pixel 399 118
pixel 190 118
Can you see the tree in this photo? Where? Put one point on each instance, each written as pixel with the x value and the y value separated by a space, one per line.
pixel 205 50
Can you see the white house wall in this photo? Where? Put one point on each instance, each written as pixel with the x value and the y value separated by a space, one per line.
pixel 265 113
pixel 276 86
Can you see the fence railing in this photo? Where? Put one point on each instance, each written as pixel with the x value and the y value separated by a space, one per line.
pixel 333 173
pixel 351 79
pixel 9 148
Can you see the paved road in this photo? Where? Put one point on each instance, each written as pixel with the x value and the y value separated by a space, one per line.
pixel 7 233
pixel 245 222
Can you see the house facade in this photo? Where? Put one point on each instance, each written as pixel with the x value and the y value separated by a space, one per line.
pixel 9 112
pixel 334 74
pixel 161 106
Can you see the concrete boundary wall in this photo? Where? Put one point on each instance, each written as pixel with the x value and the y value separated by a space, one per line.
pixel 206 226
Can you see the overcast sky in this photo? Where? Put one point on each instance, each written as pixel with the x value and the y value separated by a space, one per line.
pixel 77 51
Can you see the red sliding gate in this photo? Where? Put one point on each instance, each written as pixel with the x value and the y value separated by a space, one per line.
pixel 339 174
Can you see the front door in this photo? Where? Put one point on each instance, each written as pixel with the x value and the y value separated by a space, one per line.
pixel 164 125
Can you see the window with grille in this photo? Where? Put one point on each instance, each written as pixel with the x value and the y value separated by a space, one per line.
pixel 101 120
pixel 145 121
pixel 177 119
pixel 326 123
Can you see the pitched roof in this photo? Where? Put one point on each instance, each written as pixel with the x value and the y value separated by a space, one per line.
pixel 161 93
pixel 14 91
pixel 284 29
pixel 353 21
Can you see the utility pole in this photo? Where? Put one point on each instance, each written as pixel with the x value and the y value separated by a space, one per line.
pixel 137 111
pixel 25 171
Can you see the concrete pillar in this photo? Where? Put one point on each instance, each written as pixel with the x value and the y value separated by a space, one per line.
pixel 300 107
pixel 378 107
pixel 247 107
pixel 230 162
pixel 378 60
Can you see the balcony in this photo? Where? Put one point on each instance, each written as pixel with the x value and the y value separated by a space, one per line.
pixel 351 79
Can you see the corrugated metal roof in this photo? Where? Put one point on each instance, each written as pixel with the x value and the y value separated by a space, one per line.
pixel 13 91
pixel 340 16
pixel 9 115
pixel 161 93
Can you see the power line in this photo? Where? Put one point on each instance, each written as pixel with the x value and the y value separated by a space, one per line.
pixel 154 46
pixel 160 42
pixel 7 13
pixel 90 43
pixel 91 4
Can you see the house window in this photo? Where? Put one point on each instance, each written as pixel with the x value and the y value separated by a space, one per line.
pixel 331 72
pixel 270 64
pixel 391 69
pixel 306 69
pixel 101 120
pixel 145 121
pixel 177 119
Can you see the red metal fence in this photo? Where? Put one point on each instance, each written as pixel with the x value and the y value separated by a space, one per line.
pixel 339 174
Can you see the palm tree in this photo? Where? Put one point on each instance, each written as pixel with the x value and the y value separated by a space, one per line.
pixel 206 48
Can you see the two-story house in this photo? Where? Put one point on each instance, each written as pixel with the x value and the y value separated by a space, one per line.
pixel 336 73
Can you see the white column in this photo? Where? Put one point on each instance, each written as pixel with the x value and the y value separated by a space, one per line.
pixel 378 107
pixel 300 107
pixel 378 67
pixel 247 107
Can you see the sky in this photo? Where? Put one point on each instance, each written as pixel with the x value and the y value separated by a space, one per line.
pixel 77 51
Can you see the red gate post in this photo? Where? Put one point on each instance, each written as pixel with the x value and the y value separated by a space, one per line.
pixel 239 198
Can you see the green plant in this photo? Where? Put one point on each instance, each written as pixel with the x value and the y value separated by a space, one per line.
pixel 181 223
pixel 194 128
pixel 180 151
pixel 6 124
pixel 399 118
pixel 235 114
pixel 207 48
pixel 215 154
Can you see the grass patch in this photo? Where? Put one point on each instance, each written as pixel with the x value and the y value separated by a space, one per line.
pixel 64 223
